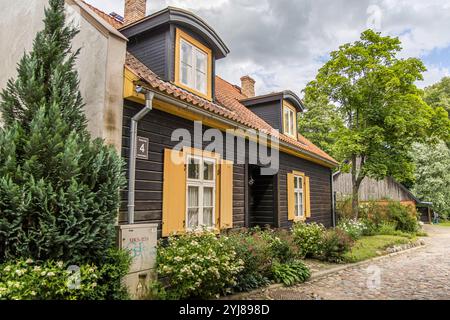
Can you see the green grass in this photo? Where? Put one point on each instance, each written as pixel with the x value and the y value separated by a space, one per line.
pixel 444 224
pixel 370 246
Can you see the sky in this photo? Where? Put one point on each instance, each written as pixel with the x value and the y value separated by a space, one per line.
pixel 283 43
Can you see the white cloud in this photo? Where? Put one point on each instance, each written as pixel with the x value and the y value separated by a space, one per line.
pixel 279 42
pixel 433 75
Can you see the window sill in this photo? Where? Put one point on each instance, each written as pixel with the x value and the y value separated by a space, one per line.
pixel 300 219
pixel 193 91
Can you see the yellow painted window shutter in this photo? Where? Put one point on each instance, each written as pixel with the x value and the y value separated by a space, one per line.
pixel 290 196
pixel 226 195
pixel 307 198
pixel 174 193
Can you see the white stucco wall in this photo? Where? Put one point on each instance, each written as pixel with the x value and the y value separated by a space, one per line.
pixel 100 64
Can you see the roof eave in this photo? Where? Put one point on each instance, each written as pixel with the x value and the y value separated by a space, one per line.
pixel 182 17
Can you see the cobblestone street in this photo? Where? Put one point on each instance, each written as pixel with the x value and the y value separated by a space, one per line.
pixel 419 274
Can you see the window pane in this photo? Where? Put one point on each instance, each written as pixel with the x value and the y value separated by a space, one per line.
pixel 300 183
pixel 291 122
pixel 300 204
pixel 186 53
pixel 296 203
pixel 200 82
pixel 200 61
pixel 208 194
pixel 192 218
pixel 208 217
pixel 185 74
pixel 194 168
pixel 208 171
pixel 286 121
pixel 295 182
pixel 193 195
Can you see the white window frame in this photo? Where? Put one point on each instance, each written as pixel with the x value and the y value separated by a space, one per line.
pixel 201 184
pixel 291 121
pixel 192 76
pixel 297 191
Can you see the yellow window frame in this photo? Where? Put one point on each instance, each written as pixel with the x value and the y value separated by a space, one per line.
pixel 287 105
pixel 181 35
pixel 303 176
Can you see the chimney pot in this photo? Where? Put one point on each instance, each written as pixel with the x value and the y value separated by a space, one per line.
pixel 135 10
pixel 248 86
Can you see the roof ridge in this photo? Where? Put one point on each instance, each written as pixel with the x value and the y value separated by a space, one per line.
pixel 116 23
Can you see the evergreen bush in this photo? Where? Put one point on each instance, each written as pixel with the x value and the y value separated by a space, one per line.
pixel 59 189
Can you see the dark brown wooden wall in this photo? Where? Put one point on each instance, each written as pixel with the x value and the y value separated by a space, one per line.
pixel 320 186
pixel 158 126
pixel 269 112
pixel 152 49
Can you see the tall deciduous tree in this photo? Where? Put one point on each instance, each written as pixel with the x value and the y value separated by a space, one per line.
pixel 432 175
pixel 59 190
pixel 374 93
pixel 438 95
pixel 321 122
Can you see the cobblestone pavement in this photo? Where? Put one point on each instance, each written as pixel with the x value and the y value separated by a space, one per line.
pixel 419 274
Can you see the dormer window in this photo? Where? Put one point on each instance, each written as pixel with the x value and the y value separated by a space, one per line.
pixel 193 65
pixel 289 120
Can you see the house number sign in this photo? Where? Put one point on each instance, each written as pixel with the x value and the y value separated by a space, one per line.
pixel 142 148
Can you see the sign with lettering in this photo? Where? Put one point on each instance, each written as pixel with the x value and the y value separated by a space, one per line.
pixel 142 148
pixel 140 242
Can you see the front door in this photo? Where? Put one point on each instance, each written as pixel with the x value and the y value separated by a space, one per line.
pixel 262 198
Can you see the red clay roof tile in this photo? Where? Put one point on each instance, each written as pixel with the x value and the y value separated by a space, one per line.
pixel 227 106
pixel 227 96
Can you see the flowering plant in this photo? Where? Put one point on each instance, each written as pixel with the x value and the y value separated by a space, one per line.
pixel 197 265
pixel 27 280
pixel 55 280
pixel 353 227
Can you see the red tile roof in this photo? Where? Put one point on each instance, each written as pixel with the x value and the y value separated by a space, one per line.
pixel 111 20
pixel 227 106
pixel 227 96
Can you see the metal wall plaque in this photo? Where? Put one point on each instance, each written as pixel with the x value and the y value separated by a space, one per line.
pixel 142 148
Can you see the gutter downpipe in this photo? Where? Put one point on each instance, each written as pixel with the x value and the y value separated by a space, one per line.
pixel 132 155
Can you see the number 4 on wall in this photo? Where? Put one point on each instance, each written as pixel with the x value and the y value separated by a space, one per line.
pixel 142 148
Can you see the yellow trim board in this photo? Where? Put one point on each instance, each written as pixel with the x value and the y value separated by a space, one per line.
pixel 186 37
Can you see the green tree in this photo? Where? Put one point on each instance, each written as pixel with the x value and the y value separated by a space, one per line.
pixel 320 123
pixel 432 175
pixel 373 92
pixel 59 190
pixel 438 94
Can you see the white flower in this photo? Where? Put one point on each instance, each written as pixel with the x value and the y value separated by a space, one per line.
pixel 60 264
pixel 29 261
pixel 43 273
pixel 50 274
pixel 37 268
pixel 33 293
pixel 20 272
pixel 7 269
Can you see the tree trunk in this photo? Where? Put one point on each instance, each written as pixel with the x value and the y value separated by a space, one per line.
pixel 355 200
pixel 356 183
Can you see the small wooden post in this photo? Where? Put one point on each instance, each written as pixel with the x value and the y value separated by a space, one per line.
pixel 429 215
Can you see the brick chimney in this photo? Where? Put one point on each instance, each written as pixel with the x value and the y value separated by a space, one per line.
pixel 135 10
pixel 248 86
